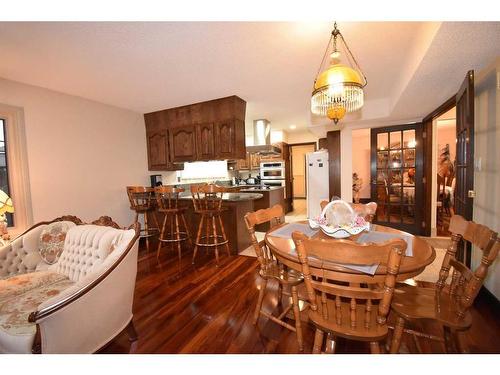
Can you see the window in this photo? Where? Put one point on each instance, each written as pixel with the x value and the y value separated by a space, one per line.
pixel 4 174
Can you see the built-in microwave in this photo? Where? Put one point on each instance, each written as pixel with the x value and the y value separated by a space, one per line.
pixel 272 170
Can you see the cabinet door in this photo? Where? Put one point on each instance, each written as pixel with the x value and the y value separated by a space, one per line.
pixel 225 139
pixel 157 151
pixel 244 164
pixel 183 143
pixel 255 161
pixel 205 141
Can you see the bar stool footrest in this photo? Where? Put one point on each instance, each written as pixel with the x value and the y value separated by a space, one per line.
pixel 201 243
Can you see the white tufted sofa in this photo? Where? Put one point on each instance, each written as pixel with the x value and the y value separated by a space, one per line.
pixel 76 305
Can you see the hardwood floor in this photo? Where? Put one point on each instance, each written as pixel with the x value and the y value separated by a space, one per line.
pixel 185 308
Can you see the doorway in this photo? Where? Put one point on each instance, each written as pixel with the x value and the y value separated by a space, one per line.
pixel 298 153
pixel 463 168
pixel 443 178
pixel 396 167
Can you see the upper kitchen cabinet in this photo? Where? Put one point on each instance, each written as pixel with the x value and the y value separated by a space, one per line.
pixel 157 143
pixel 205 141
pixel 212 130
pixel 230 139
pixel 183 144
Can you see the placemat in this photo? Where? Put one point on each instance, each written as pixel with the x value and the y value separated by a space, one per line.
pixel 287 230
pixel 374 236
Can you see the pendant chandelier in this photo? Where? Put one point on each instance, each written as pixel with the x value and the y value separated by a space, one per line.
pixel 339 88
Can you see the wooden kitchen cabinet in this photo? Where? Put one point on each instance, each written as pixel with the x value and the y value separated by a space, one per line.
pixel 254 161
pixel 205 141
pixel 211 130
pixel 244 164
pixel 157 144
pixel 230 139
pixel 183 144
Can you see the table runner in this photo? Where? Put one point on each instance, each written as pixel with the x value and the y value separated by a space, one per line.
pixel 372 236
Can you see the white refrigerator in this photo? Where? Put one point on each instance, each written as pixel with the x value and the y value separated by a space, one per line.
pixel 317 181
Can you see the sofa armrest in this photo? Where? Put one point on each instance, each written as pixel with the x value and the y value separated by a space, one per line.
pixel 87 315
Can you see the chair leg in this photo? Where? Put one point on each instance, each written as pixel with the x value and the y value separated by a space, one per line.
pixel 331 344
pixel 262 291
pixel 132 333
pixel 296 314
pixel 280 294
pixel 146 230
pixel 224 236
pixel 186 229
pixel 162 234
pixel 318 341
pixel 398 334
pixel 374 347
pixel 178 235
pixel 200 227
pixel 448 340
pixel 461 341
pixel 156 220
pixel 214 230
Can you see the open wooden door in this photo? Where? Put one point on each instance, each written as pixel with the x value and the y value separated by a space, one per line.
pixel 464 185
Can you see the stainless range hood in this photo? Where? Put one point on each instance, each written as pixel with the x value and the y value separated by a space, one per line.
pixel 262 139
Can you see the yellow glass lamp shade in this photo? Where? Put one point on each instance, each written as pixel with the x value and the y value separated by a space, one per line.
pixel 5 203
pixel 337 90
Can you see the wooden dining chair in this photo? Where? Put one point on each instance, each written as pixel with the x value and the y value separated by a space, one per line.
pixel 270 269
pixel 367 210
pixel 448 305
pixel 142 201
pixel 350 305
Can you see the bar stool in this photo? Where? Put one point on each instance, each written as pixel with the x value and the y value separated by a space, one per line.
pixel 207 201
pixel 167 199
pixel 142 201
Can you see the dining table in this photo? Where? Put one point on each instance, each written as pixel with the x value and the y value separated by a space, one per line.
pixel 421 253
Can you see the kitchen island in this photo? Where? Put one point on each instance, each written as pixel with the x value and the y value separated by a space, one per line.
pixel 270 196
pixel 235 206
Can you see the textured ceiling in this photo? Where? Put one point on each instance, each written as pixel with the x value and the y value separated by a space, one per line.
pixel 411 67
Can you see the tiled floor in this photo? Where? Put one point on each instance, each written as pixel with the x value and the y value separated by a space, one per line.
pixel 299 211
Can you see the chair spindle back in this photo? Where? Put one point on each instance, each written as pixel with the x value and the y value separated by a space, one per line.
pixel 351 304
pixel 465 284
pixel 272 215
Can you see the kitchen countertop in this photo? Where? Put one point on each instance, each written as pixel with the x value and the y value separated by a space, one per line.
pixel 259 188
pixel 230 197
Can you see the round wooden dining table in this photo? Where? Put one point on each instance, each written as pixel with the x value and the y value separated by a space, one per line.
pixel 423 255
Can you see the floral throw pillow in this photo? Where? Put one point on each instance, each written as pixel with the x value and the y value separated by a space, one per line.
pixel 52 241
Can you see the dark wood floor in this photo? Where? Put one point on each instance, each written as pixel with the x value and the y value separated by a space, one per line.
pixel 185 308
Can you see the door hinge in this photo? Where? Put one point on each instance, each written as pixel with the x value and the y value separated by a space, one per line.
pixel 423 224
pixel 471 194
pixel 423 180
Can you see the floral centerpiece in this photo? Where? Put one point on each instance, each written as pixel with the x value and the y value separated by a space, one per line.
pixel 339 220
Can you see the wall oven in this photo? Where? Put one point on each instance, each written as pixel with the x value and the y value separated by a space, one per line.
pixel 272 170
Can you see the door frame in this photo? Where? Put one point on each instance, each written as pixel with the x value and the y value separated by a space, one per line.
pixel 290 145
pixel 417 126
pixel 427 136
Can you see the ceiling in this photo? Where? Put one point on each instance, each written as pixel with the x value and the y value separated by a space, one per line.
pixel 412 67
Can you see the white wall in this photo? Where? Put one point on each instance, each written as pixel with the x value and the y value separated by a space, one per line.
pixel 361 158
pixel 301 137
pixel 81 154
pixel 487 163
